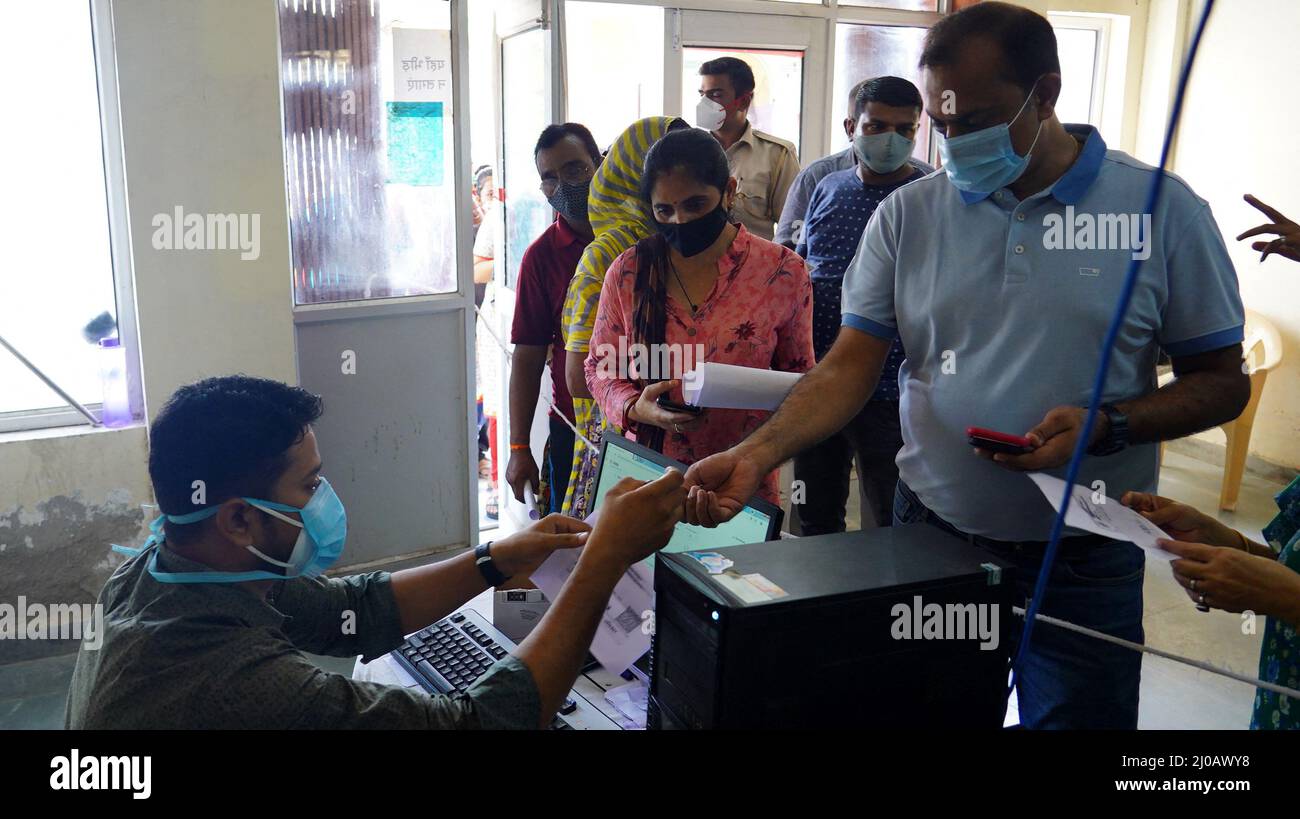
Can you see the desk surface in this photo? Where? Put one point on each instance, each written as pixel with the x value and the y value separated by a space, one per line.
pixel 593 713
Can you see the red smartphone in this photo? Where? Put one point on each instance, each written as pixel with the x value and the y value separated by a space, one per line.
pixel 995 441
pixel 672 406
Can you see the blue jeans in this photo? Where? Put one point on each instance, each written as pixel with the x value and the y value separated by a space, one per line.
pixel 873 439
pixel 560 457
pixel 1069 680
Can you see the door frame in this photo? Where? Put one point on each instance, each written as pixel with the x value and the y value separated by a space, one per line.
pixel 690 28
pixel 827 15
pixel 727 23
pixel 451 306
pixel 522 17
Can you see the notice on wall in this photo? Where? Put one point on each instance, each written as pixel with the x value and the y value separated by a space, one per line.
pixel 422 65
pixel 415 143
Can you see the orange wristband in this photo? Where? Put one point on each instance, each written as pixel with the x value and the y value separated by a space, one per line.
pixel 518 447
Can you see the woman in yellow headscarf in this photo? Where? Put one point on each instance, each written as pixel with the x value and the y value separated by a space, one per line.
pixel 620 219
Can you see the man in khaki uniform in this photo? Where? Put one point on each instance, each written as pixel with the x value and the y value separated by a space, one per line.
pixel 764 166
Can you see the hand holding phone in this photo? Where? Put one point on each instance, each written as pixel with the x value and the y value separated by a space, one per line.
pixel 654 407
pixel 1000 442
pixel 672 406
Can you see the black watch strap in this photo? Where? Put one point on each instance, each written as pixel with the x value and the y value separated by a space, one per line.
pixel 486 566
pixel 1116 432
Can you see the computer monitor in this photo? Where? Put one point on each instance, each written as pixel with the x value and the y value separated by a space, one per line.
pixel 621 458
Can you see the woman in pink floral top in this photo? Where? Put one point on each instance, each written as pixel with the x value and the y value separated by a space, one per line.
pixel 701 280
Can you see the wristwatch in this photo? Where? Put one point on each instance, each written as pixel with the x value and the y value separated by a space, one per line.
pixel 486 566
pixel 1116 432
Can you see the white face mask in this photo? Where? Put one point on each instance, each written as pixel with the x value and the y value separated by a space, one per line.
pixel 709 115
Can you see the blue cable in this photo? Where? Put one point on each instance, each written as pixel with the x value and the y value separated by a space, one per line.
pixel 1099 385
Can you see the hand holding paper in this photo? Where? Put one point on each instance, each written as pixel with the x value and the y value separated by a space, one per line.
pixel 1183 522
pixel 530 503
pixel 1105 516
pixel 638 520
pixel 620 640
pixel 726 386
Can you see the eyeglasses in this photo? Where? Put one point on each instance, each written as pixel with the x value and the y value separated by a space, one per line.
pixel 572 173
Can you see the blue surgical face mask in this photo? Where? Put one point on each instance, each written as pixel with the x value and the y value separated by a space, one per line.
pixel 883 153
pixel 985 161
pixel 324 528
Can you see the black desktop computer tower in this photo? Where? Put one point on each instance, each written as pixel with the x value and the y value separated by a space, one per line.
pixel 899 627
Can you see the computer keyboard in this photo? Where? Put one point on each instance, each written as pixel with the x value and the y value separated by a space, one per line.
pixel 448 656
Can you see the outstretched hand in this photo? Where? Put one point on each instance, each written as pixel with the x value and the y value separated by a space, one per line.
pixel 1287 242
pixel 719 486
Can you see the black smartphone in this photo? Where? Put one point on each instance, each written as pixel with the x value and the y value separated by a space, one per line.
pixel 663 402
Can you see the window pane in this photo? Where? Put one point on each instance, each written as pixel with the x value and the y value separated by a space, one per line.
pixel 523 116
pixel 862 52
pixel 1077 48
pixel 913 5
pixel 614 58
pixel 778 87
pixel 54 185
pixel 369 148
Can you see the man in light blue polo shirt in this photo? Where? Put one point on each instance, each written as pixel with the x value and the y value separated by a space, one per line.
pixel 1002 295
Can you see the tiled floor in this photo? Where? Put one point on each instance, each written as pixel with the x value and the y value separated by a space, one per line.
pixel 485 494
pixel 39 710
pixel 44 710
pixel 1173 695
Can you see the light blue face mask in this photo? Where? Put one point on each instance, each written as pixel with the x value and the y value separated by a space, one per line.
pixel 985 161
pixel 883 153
pixel 324 528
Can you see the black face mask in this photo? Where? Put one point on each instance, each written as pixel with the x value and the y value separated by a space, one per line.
pixel 571 200
pixel 692 238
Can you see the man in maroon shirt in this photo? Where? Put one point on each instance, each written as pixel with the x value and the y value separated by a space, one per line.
pixel 567 157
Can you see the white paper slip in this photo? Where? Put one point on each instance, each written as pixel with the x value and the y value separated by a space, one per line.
pixel 752 588
pixel 1109 517
pixel 622 636
pixel 726 386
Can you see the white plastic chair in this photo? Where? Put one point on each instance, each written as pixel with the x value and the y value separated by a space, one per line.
pixel 1262 350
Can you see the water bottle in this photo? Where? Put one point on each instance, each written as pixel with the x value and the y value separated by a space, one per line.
pixel 112 375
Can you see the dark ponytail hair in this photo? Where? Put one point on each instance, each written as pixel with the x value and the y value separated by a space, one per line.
pixel 698 153
pixel 694 150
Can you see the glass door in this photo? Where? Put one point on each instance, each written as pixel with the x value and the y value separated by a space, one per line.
pixel 525 59
pixel 527 36
pixel 787 55
pixel 864 50
pixel 375 149
pixel 613 65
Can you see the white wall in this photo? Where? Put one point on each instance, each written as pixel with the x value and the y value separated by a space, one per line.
pixel 1165 38
pixel 1134 90
pixel 200 100
pixel 200 109
pixel 64 498
pixel 1237 96
pixel 1238 136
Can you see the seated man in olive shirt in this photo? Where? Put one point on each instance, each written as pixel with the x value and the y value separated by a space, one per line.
pixel 205 627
